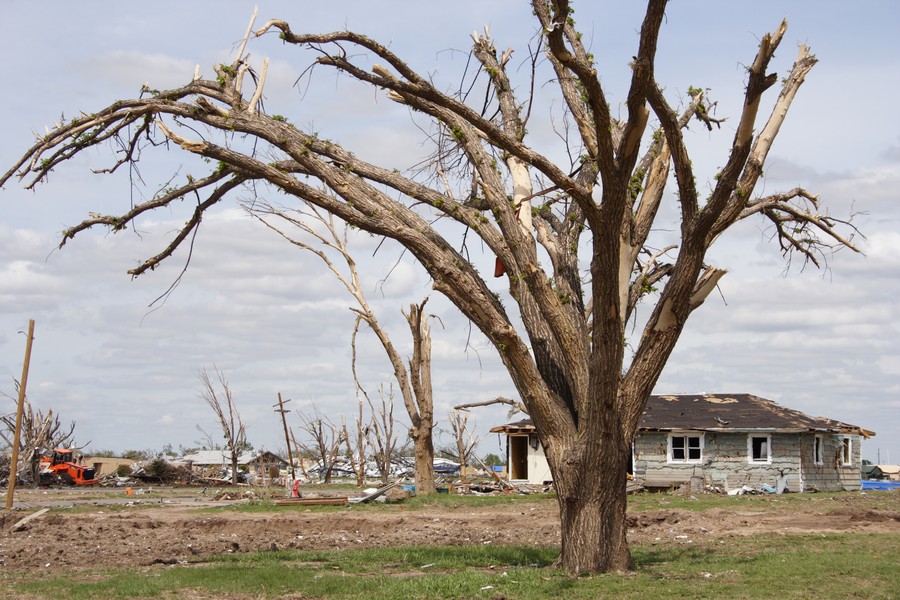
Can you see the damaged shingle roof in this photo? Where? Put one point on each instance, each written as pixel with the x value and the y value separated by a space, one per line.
pixel 719 412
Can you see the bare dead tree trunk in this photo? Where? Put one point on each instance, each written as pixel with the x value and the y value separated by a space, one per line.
pixel 356 445
pixel 229 420
pixel 421 406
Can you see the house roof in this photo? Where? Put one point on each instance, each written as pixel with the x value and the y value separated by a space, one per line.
pixel 719 412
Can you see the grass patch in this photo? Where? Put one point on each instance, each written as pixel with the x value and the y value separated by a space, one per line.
pixel 845 566
pixel 760 502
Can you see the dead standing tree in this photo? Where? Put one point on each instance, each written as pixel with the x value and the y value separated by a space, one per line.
pixel 465 441
pixel 383 439
pixel 414 384
pixel 325 441
pixel 357 444
pixel 543 220
pixel 233 431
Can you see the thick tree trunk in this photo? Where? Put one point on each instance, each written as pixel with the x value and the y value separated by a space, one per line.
pixel 423 446
pixel 592 509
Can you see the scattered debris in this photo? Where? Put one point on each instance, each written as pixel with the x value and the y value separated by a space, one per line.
pixel 313 501
pixel 375 493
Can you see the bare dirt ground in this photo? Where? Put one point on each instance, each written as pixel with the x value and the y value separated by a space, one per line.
pixel 158 530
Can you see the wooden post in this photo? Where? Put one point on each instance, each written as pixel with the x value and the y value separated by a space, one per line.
pixel 287 439
pixel 17 433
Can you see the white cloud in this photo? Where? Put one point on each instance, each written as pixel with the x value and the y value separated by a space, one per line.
pixel 157 70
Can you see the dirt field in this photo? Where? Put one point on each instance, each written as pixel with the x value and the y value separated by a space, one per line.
pixel 163 529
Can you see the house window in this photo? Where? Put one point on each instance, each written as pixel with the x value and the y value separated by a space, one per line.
pixel 759 449
pixel 685 448
pixel 817 450
pixel 847 451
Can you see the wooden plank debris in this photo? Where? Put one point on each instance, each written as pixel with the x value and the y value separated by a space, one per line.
pixel 22 522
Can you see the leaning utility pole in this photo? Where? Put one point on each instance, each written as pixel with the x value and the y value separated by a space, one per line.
pixel 287 439
pixel 16 434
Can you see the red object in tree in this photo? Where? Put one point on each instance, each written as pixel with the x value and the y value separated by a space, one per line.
pixel 499 268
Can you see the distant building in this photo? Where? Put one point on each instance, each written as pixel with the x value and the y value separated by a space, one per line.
pixel 889 472
pixel 728 440
pixel 257 463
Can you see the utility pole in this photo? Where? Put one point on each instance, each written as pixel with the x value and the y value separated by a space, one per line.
pixel 17 433
pixel 287 439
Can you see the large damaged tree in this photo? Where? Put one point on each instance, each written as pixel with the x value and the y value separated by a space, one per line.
pixel 575 237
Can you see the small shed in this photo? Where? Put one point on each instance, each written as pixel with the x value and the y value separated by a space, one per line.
pixel 727 440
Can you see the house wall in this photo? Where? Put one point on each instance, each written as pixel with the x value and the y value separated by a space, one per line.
pixel 832 475
pixel 725 461
pixel 535 462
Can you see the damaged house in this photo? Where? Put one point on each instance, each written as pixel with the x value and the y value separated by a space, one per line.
pixel 258 464
pixel 724 440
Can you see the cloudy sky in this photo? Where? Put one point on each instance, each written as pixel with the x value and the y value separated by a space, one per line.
pixel 273 320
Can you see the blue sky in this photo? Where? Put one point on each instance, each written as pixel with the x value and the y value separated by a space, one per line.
pixel 824 342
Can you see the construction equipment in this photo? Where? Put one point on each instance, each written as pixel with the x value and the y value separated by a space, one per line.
pixel 61 468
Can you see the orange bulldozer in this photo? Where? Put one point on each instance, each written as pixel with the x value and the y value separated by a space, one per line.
pixel 61 468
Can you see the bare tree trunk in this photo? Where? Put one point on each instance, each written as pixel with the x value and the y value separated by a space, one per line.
pixel 592 511
pixel 421 408
pixel 423 446
pixel 356 446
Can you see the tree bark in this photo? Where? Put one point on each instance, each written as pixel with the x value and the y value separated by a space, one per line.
pixel 423 446
pixel 590 480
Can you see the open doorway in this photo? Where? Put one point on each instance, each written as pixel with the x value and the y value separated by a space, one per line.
pixel 518 457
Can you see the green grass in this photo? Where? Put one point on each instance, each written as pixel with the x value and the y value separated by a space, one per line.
pixel 827 566
pixel 761 502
